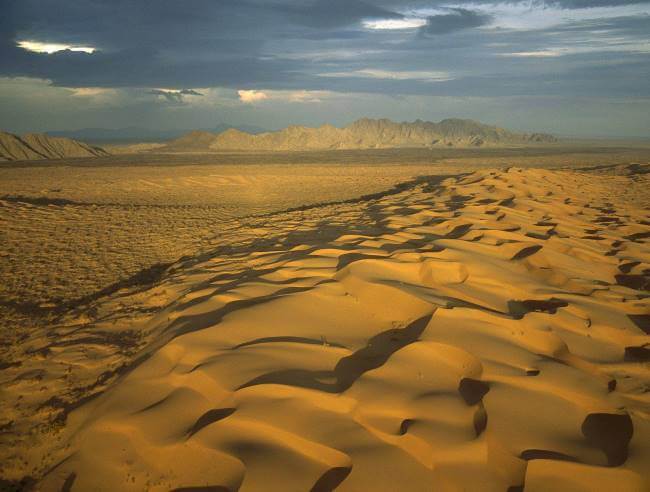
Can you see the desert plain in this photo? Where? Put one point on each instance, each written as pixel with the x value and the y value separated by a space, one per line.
pixel 386 320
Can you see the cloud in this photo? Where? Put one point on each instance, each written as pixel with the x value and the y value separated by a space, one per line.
pixel 532 54
pixel 393 75
pixel 189 92
pixel 174 96
pixel 337 13
pixel 384 24
pixel 95 94
pixel 456 20
pixel 588 4
pixel 251 96
pixel 289 44
pixel 301 96
pixel 148 51
pixel 49 48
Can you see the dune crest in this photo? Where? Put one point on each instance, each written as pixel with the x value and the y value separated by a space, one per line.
pixel 454 335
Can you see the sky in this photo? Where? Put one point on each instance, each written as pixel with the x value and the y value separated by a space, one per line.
pixel 568 67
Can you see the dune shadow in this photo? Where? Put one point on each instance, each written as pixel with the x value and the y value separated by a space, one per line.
pixel 289 339
pixel 331 479
pixel 636 282
pixel 642 321
pixel 544 454
pixel 529 251
pixel 208 418
pixel 377 351
pixel 637 354
pixel 611 433
pixel 205 488
pixel 518 309
pixel 472 390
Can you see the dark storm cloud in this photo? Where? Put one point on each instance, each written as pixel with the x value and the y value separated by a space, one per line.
pixel 174 96
pixel 336 13
pixel 193 43
pixel 323 45
pixel 144 68
pixel 457 19
pixel 569 4
pixel 585 4
pixel 171 96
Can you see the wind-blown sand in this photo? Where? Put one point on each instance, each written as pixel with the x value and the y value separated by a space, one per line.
pixel 481 332
pixel 71 232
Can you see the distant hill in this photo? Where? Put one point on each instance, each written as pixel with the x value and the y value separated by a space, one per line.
pixel 34 146
pixel 362 134
pixel 135 134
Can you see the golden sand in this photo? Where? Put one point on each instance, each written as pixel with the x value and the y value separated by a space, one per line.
pixel 487 331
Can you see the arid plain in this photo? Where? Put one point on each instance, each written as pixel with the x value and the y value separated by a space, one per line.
pixel 414 319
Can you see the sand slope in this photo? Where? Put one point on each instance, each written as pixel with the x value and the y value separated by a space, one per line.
pixel 482 332
pixel 37 146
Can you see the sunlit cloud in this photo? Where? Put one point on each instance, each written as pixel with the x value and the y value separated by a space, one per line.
pixel 91 91
pixel 333 54
pixel 307 96
pixel 284 96
pixel 387 24
pixel 251 96
pixel 394 75
pixel 533 54
pixel 528 16
pixel 49 48
pixel 596 46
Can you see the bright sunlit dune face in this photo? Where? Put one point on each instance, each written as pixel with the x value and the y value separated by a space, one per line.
pixel 389 24
pixel 482 313
pixel 49 48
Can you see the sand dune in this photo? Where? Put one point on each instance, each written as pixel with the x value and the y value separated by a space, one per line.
pixel 93 227
pixel 481 332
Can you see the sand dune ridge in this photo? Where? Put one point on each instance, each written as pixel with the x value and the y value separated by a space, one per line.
pixel 457 336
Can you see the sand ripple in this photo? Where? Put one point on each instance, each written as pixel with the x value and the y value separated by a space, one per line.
pixel 482 332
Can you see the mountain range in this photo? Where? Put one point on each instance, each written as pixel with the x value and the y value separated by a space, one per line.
pixel 134 134
pixel 362 134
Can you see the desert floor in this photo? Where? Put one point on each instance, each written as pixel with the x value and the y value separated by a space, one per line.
pixel 466 326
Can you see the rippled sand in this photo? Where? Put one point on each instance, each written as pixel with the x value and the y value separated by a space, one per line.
pixel 68 232
pixel 487 331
